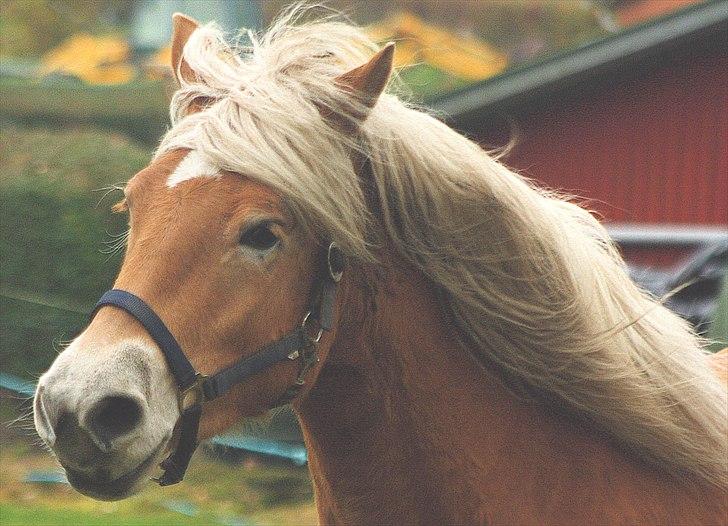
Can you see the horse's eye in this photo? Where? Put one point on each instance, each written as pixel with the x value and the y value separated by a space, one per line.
pixel 260 237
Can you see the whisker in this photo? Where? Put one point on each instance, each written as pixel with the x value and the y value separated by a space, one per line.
pixel 116 244
pixel 107 190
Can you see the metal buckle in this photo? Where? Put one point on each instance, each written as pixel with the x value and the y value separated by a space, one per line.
pixel 309 334
pixel 194 394
pixel 335 262
pixel 308 354
pixel 310 358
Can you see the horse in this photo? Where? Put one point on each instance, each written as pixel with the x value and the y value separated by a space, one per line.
pixel 485 358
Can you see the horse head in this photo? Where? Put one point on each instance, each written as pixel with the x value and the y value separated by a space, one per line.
pixel 228 268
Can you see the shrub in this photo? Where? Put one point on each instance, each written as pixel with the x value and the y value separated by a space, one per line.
pixel 54 229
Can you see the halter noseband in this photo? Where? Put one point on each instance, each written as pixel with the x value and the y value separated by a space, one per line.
pixel 196 388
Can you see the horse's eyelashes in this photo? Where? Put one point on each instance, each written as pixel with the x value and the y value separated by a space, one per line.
pixel 259 237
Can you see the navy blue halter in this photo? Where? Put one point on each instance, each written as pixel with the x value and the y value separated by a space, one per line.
pixel 195 388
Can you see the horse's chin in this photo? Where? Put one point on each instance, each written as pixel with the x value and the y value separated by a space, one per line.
pixel 119 488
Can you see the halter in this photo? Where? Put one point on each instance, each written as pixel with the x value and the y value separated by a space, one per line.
pixel 195 388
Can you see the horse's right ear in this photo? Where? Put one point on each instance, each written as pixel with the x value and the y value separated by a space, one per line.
pixel 182 27
pixel 365 83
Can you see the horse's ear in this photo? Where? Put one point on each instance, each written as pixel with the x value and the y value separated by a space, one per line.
pixel 367 82
pixel 182 27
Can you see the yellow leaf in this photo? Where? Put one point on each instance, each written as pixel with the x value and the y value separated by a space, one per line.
pixel 94 59
pixel 464 57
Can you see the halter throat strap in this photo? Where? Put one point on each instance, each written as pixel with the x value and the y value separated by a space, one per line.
pixel 194 388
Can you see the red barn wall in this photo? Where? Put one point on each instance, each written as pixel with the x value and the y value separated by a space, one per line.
pixel 647 147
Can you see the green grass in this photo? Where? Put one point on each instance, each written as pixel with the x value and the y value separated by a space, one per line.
pixel 213 492
pixel 17 515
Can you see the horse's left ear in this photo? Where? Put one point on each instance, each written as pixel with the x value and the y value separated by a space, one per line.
pixel 367 82
pixel 182 28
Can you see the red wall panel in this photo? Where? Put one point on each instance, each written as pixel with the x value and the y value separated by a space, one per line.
pixel 649 149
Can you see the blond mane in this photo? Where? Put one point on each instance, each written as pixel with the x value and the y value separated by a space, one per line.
pixel 533 282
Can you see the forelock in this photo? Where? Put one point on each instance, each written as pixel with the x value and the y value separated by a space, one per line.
pixel 257 110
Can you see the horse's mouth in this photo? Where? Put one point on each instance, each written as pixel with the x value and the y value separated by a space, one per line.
pixel 117 489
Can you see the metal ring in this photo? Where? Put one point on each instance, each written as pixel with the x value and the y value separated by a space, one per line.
pixel 335 262
pixel 312 339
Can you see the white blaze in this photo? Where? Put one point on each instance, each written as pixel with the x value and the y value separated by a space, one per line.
pixel 193 165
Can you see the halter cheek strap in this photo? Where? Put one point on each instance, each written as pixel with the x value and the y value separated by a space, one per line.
pixel 194 388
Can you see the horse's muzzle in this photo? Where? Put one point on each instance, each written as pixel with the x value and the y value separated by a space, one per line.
pixel 107 413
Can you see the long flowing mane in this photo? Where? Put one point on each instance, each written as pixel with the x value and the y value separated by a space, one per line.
pixel 532 281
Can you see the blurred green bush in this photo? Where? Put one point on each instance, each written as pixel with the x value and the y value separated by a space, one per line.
pixel 138 109
pixel 54 229
pixel 29 28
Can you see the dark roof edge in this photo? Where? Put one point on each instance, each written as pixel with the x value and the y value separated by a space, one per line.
pixel 573 64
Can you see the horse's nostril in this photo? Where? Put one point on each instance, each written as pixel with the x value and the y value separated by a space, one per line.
pixel 114 416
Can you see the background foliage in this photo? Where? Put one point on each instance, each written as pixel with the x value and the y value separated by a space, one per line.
pixel 29 28
pixel 520 28
pixel 54 232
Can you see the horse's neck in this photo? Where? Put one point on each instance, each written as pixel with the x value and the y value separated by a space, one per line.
pixel 404 427
pixel 396 425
